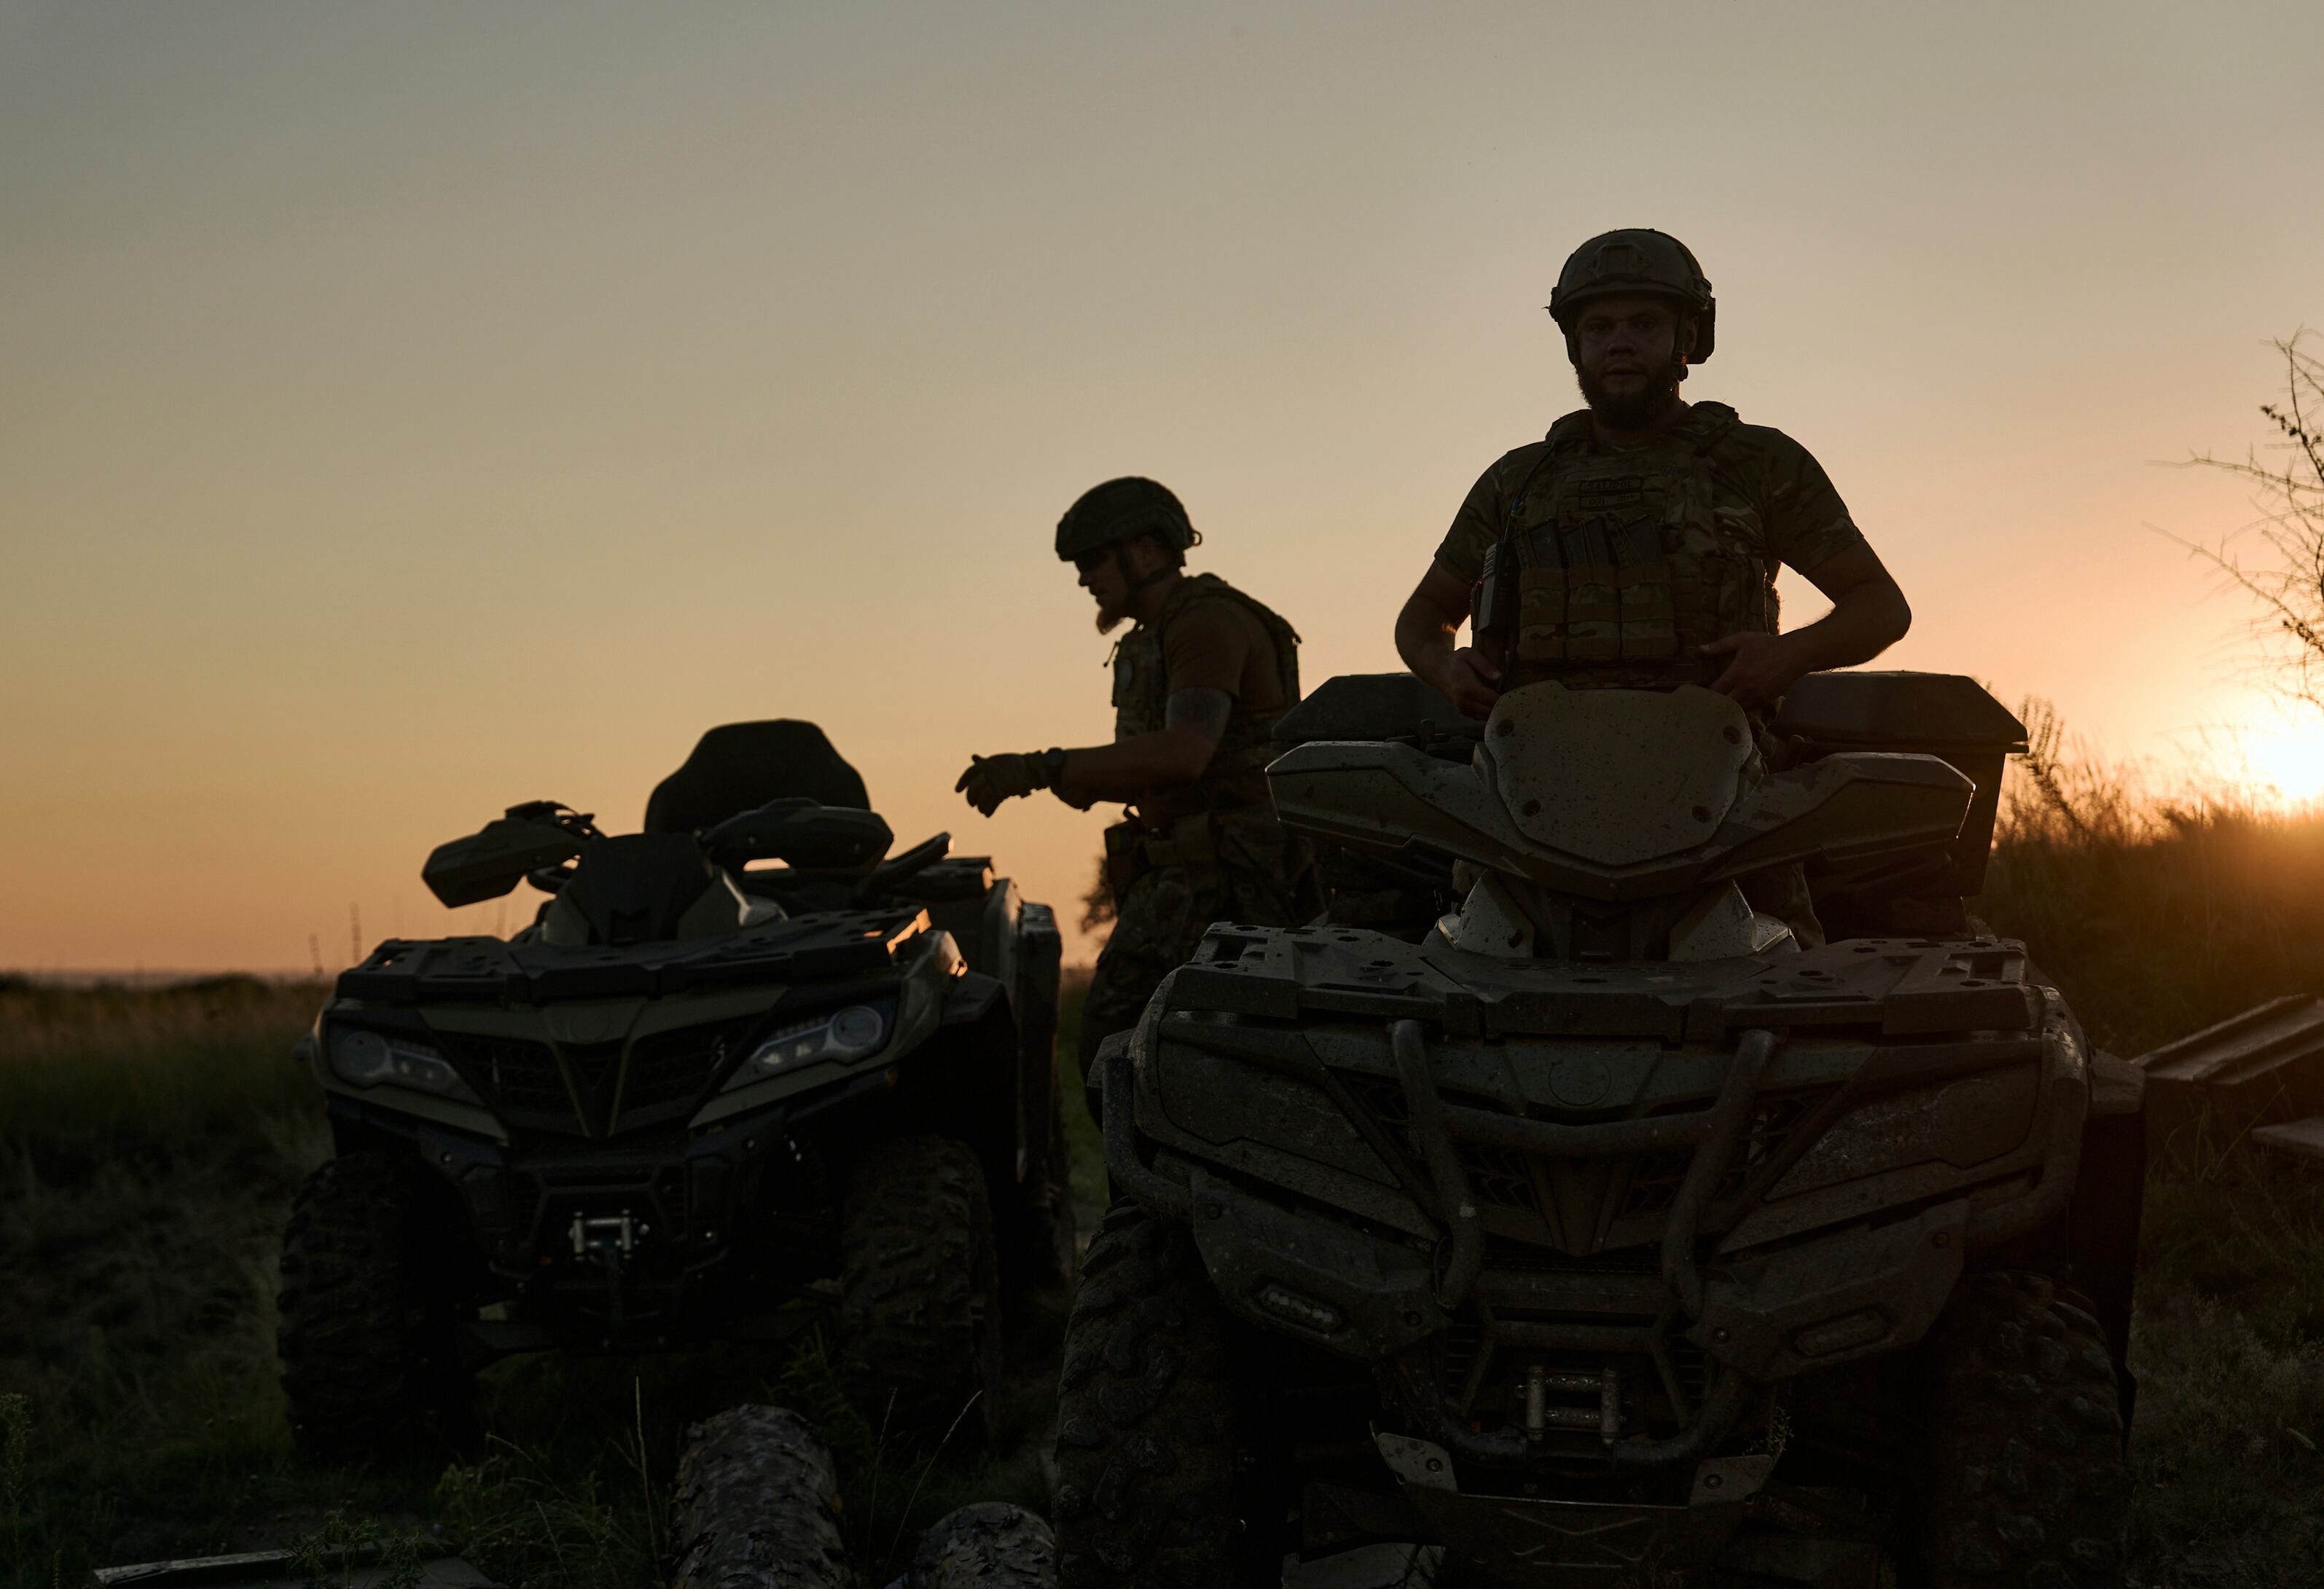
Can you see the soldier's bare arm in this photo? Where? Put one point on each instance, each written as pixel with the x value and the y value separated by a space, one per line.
pixel 1425 632
pixel 1868 615
pixel 1128 770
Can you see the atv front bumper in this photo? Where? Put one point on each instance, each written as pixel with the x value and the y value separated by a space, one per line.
pixel 641 1246
pixel 1538 1285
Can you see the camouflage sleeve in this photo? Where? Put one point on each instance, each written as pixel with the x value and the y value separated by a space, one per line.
pixel 1807 523
pixel 1476 526
pixel 1204 647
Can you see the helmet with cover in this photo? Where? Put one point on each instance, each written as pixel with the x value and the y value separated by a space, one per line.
pixel 1121 510
pixel 1636 259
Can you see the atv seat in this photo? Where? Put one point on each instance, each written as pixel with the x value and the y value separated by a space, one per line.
pixel 740 766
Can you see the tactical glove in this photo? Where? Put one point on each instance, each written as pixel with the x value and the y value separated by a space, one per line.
pixel 991 779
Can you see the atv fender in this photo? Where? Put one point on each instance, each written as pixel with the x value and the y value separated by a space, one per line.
pixel 971 997
pixel 1838 1299
pixel 1314 1278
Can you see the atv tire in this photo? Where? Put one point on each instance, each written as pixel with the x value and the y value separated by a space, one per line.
pixel 920 1286
pixel 757 1502
pixel 370 1365
pixel 1036 1215
pixel 2025 1486
pixel 1147 1414
pixel 986 1544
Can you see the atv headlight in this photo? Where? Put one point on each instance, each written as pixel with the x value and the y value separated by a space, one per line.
pixel 368 1058
pixel 847 1033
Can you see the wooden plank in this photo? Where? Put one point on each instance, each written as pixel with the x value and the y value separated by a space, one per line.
pixel 2304 1138
pixel 2199 1056
pixel 2264 1067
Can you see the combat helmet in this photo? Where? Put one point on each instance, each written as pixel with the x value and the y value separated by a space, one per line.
pixel 1121 510
pixel 1636 259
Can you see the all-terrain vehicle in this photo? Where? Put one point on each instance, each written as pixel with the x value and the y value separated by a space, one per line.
pixel 1600 1231
pixel 743 1059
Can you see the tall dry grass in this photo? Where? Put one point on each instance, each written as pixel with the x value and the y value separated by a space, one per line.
pixel 2158 914
pixel 154 1065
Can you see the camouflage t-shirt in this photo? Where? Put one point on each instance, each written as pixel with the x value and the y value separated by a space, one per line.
pixel 1793 516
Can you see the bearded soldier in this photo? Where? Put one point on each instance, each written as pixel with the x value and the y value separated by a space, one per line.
pixel 1198 683
pixel 1636 546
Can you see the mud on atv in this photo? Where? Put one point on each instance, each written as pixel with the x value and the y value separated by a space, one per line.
pixel 697 1088
pixel 1599 1231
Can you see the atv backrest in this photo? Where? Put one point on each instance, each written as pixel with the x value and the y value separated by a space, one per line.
pixel 742 765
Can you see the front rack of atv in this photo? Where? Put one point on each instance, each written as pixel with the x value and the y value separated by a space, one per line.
pixel 1437 1129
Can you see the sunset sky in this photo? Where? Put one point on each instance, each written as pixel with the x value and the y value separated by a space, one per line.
pixel 409 409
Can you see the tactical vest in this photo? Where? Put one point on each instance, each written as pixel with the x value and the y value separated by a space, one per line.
pixel 1614 568
pixel 1141 696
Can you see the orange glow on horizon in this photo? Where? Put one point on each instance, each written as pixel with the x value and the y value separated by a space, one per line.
pixel 410 413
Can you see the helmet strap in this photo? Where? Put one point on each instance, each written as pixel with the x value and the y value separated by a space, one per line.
pixel 1131 580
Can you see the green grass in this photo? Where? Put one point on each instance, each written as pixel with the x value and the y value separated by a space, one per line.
pixel 2228 1346
pixel 149 1145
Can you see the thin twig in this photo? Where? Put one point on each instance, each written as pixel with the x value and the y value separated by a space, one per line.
pixel 2288 582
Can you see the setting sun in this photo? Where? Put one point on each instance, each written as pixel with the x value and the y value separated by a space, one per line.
pixel 2290 760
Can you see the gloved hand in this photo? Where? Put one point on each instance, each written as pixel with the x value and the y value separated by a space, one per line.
pixel 991 779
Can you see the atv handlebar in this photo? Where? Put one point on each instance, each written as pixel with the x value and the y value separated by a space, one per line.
pixel 918 858
pixel 801 832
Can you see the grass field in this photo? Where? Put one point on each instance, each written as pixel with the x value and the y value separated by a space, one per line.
pixel 2159 918
pixel 149 1143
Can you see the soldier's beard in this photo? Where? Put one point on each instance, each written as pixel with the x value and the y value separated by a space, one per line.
pixel 1110 619
pixel 1636 410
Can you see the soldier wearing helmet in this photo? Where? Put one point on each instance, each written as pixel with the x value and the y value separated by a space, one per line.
pixel 1198 683
pixel 1636 545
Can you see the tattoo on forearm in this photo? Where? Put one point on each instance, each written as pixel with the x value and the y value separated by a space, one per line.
pixel 1207 710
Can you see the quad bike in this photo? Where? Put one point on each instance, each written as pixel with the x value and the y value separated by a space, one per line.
pixel 1599 1230
pixel 702 1086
